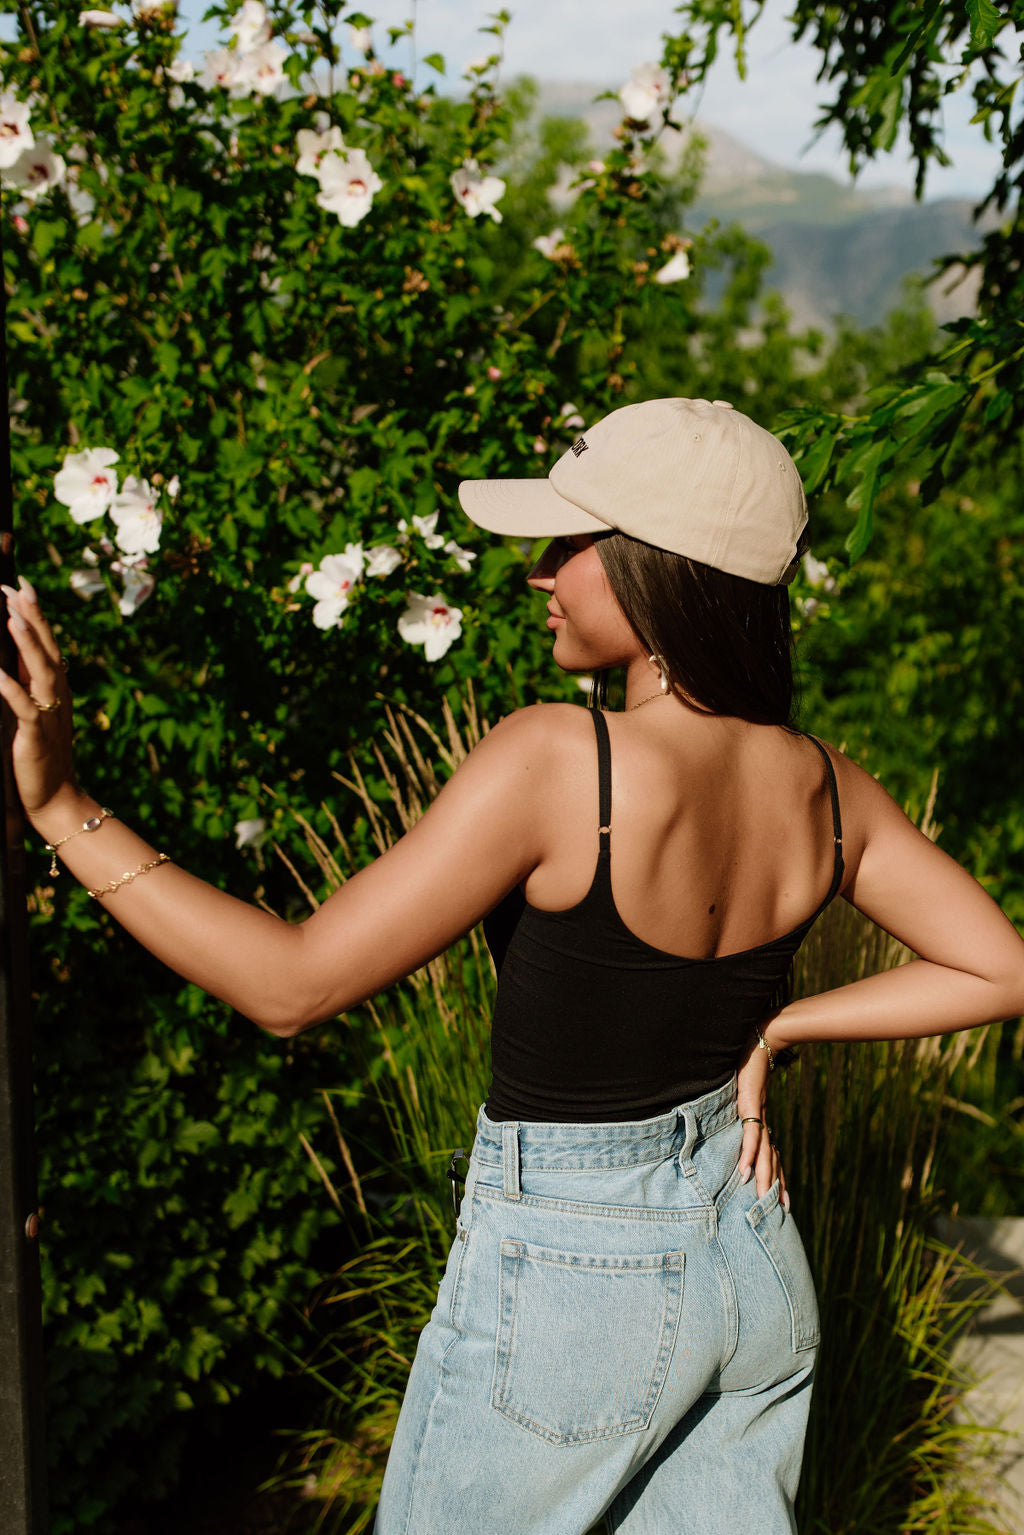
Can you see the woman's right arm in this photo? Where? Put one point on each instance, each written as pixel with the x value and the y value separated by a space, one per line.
pixel 970 965
pixel 484 833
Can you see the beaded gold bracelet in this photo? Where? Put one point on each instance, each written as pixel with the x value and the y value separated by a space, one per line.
pixel 126 879
pixel 92 824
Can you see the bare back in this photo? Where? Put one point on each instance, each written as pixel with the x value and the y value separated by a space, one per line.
pixel 722 835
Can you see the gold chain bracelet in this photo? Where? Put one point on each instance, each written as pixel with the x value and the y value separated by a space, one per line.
pixel 92 824
pixel 126 879
pixel 762 1044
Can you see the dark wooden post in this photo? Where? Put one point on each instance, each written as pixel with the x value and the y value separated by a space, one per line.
pixel 22 1448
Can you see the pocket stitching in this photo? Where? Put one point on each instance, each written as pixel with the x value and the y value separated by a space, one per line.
pixel 669 1265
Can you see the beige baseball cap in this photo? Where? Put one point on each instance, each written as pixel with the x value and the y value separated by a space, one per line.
pixel 696 477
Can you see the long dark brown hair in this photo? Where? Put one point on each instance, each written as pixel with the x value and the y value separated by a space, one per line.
pixel 726 642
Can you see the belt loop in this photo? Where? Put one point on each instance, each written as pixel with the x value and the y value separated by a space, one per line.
pixel 510 1160
pixel 689 1119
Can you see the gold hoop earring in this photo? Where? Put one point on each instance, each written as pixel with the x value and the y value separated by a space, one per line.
pixel 657 661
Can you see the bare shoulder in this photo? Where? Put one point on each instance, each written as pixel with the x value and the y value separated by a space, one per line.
pixel 538 736
pixel 519 761
pixel 870 815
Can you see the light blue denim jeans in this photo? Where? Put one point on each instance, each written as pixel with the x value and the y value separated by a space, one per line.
pixel 623 1331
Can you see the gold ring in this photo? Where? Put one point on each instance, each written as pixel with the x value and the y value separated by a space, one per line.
pixel 45 708
pixel 751 1119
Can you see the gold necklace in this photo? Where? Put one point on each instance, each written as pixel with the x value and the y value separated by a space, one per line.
pixel 652 699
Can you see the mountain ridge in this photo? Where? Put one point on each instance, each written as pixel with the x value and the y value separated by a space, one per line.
pixel 838 249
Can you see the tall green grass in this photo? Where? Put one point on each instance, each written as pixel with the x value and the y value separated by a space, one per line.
pixel 858 1126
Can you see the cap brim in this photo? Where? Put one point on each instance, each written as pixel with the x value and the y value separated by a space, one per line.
pixel 525 509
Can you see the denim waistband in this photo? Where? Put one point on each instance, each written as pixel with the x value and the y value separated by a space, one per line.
pixel 617 1143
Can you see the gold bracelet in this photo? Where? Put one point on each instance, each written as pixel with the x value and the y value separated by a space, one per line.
pixel 762 1044
pixel 92 824
pixel 126 879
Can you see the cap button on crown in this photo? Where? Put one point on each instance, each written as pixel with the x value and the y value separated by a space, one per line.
pixel 723 404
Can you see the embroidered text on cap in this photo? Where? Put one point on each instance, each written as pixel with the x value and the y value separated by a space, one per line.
pixel 580 446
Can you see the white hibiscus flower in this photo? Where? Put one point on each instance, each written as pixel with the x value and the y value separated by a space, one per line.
pixel 332 585
pixel 263 69
pixel 182 71
pixel 251 26
pixel 87 581
pixel 645 93
pixel 251 833
pixel 548 244
pixel 99 19
pixel 223 67
pixel 817 574
pixel 86 483
pixel 382 560
pixel 425 527
pixel 15 134
pixel 463 557
pixel 314 147
pixel 36 171
pixel 432 623
pixel 347 186
pixel 138 582
pixel 360 39
pixel 675 269
pixel 138 518
pixel 477 194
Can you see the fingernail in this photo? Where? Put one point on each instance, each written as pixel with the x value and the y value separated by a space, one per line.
pixel 745 1175
pixel 15 620
pixel 27 588
pixel 9 591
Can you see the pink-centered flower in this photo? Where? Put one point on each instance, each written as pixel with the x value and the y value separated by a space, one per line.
pixel 15 133
pixel 263 69
pixel 35 171
pixel 138 518
pixel 477 193
pixel 432 623
pixel 645 93
pixel 332 585
pixel 315 147
pixel 347 186
pixel 138 582
pixel 87 484
pixel 222 67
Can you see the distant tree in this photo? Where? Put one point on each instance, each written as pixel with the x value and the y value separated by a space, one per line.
pixel 887 67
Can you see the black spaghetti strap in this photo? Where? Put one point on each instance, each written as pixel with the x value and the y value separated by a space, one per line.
pixel 604 775
pixel 837 823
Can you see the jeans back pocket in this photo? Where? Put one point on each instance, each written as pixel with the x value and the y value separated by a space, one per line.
pixel 776 1231
pixel 584 1342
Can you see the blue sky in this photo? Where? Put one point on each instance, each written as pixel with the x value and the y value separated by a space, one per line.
pixel 773 110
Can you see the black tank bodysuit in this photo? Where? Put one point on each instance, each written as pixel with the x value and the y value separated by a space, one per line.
pixel 592 1024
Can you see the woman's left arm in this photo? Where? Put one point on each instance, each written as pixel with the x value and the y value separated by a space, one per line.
pixel 481 836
